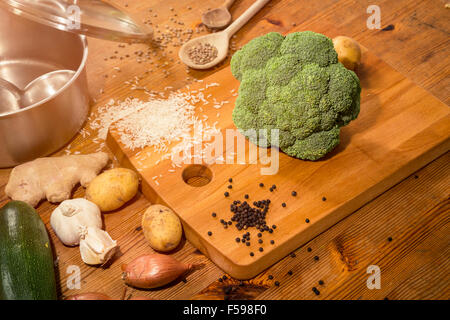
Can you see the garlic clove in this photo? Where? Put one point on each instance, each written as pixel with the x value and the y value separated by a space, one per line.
pixel 96 246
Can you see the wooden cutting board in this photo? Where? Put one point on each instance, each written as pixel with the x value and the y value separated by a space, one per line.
pixel 401 127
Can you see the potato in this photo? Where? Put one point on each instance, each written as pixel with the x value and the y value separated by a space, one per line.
pixel 349 52
pixel 162 228
pixel 113 188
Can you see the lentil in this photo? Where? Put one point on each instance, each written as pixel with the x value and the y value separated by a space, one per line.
pixel 202 53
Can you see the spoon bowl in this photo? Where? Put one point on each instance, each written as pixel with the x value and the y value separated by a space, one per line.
pixel 218 18
pixel 13 98
pixel 220 40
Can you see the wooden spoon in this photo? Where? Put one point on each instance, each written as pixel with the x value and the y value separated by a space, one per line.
pixel 220 40
pixel 218 18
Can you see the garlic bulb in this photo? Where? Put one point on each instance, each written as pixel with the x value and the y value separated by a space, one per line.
pixel 96 246
pixel 67 219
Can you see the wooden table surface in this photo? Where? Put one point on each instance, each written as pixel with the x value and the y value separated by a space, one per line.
pixel 405 231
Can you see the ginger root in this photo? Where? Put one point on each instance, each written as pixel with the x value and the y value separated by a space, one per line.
pixel 54 177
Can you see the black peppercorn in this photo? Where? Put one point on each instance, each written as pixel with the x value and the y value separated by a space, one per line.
pixel 261 249
pixel 246 196
pixel 272 242
pixel 261 184
pixel 321 282
pixel 274 226
pixel 226 194
pixel 317 292
pixel 283 205
pixel 260 241
pixel 271 190
pixel 230 180
pixel 248 244
pixel 224 277
pixel 324 199
pixel 307 220
pixel 251 254
pixel 220 279
pixel 293 255
pixel 290 272
pixel 214 214
pixel 390 239
pixel 230 186
pixel 274 186
pixel 316 258
pixel 294 193
pixel 259 235
pixel 277 283
pixel 209 233
pixel 238 240
pixel 309 249
pixel 270 277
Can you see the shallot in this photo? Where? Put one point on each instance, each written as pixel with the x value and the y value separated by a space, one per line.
pixel 153 270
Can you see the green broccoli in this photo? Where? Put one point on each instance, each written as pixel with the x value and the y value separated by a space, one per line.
pixel 294 84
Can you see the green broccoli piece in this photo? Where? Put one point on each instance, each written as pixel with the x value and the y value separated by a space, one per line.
pixel 294 84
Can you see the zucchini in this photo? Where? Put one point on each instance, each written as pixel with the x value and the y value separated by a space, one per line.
pixel 26 260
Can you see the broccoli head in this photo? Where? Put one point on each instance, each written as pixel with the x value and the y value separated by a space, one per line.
pixel 294 84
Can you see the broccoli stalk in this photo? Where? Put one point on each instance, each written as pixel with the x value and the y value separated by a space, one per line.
pixel 295 84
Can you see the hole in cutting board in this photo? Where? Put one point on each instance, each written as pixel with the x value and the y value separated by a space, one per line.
pixel 197 175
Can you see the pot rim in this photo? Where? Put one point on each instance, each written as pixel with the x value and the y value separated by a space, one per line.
pixel 70 82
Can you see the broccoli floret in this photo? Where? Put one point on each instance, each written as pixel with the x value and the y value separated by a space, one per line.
pixel 294 84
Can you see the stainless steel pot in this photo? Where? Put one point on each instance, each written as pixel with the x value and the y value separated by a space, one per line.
pixel 37 37
pixel 28 50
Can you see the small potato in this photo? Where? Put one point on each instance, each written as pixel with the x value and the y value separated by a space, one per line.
pixel 162 228
pixel 113 188
pixel 349 52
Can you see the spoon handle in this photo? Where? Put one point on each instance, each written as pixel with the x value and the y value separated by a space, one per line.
pixel 11 88
pixel 243 19
pixel 228 3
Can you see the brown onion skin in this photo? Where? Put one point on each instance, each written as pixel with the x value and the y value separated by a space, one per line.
pixel 89 296
pixel 153 270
